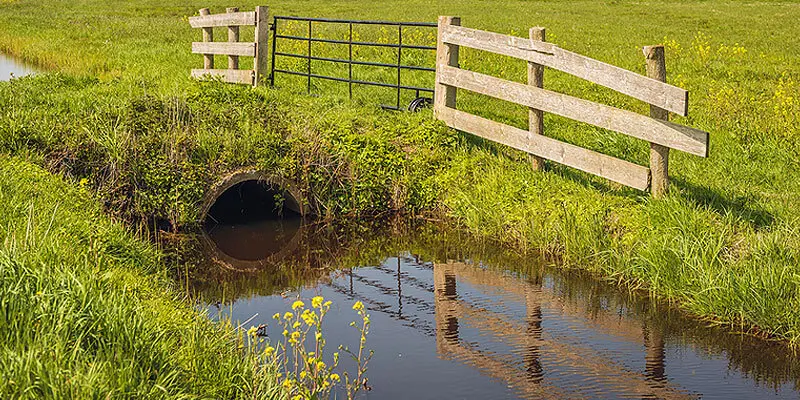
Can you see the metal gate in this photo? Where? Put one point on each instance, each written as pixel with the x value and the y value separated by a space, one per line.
pixel 420 99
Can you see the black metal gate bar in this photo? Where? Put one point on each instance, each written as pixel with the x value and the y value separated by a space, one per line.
pixel 309 57
pixel 333 78
pixel 356 21
pixel 373 44
pixel 356 62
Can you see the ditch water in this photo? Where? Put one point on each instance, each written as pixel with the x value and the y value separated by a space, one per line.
pixel 11 67
pixel 453 318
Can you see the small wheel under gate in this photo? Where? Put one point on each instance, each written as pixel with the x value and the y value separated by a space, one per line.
pixel 419 103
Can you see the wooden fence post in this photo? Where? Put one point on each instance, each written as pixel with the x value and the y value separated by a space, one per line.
pixel 446 54
pixel 659 155
pixel 262 45
pixel 208 36
pixel 233 36
pixel 536 117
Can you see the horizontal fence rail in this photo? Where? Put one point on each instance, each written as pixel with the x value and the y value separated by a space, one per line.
pixel 627 82
pixel 228 19
pixel 230 49
pixel 655 128
pixel 233 48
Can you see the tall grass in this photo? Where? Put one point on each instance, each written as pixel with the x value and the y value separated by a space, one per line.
pixel 86 310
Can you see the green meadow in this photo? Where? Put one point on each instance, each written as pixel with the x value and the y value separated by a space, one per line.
pixel 117 111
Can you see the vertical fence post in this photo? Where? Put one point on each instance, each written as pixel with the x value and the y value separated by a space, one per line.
pixel 536 117
pixel 208 36
pixel 446 54
pixel 262 42
pixel 233 36
pixel 659 155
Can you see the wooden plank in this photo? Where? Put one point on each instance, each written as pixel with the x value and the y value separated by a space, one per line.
pixel 638 86
pixel 227 75
pixel 228 19
pixel 446 54
pixel 679 137
pixel 262 46
pixel 536 78
pixel 659 155
pixel 225 48
pixel 208 36
pixel 233 37
pixel 614 169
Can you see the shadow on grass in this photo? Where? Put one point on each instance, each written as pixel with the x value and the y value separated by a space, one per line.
pixel 739 206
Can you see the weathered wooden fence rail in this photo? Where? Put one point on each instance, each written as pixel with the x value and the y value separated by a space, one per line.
pixel 656 129
pixel 233 48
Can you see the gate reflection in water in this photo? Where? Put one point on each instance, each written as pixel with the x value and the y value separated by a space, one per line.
pixel 446 325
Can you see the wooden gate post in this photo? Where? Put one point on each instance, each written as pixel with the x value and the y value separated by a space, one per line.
pixel 262 48
pixel 536 117
pixel 659 155
pixel 208 36
pixel 233 36
pixel 446 54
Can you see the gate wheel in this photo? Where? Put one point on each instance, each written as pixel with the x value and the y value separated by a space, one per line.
pixel 419 103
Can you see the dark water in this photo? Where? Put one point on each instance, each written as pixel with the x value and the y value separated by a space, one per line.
pixel 11 67
pixel 456 319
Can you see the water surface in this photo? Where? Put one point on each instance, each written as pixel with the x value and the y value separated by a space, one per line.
pixel 456 319
pixel 11 67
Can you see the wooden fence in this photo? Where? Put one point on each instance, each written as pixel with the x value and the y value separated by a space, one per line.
pixel 233 48
pixel 656 129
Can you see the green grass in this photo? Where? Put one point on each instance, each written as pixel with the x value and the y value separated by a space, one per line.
pixel 87 311
pixel 724 244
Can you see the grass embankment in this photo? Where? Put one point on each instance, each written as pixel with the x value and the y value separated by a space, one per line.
pixel 725 244
pixel 87 311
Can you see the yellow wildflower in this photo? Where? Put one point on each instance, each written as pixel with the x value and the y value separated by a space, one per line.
pixel 335 377
pixel 277 316
pixel 298 304
pixel 316 302
pixel 358 306
pixel 288 316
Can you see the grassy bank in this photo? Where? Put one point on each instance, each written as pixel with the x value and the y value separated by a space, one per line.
pixel 86 311
pixel 725 244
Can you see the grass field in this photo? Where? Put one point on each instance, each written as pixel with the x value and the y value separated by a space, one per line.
pixel 724 245
pixel 87 311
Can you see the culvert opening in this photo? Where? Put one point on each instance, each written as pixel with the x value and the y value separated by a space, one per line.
pixel 253 220
pixel 250 201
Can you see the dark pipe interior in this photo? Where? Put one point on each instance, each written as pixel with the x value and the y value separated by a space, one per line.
pixel 248 223
pixel 249 201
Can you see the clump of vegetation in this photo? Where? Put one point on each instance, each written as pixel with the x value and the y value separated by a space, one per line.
pixel 306 371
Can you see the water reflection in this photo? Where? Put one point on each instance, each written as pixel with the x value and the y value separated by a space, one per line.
pixel 453 318
pixel 10 67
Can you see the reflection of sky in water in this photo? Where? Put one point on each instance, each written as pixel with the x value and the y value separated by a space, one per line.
pixel 591 343
pixel 10 66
